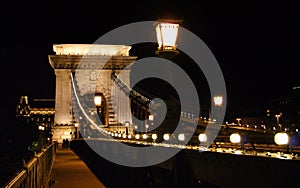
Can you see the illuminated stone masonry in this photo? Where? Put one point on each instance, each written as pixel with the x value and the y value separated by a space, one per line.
pixel 96 63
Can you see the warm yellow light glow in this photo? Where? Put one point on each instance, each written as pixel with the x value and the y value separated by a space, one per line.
pixel 166 137
pixel 202 137
pixel 91 49
pixel 281 138
pixel 235 138
pixel 124 136
pixel 167 35
pixel 129 136
pixel 181 137
pixel 137 136
pixel 127 123
pixel 218 100
pixel 144 136
pixel 97 100
pixel 154 136
pixel 151 117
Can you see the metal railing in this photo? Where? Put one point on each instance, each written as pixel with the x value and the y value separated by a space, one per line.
pixel 36 173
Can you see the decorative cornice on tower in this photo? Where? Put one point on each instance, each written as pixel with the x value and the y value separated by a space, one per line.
pixel 96 62
pixel 91 56
pixel 91 49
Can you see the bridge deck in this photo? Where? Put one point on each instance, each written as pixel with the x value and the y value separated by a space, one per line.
pixel 70 171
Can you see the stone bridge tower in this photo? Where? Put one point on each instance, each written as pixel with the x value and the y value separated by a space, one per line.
pixel 96 63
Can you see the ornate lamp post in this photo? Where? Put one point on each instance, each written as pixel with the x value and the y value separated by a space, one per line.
pixel 238 120
pixel 166 33
pixel 98 104
pixel 218 100
pixel 151 117
pixel 127 127
pixel 282 139
pixel 277 120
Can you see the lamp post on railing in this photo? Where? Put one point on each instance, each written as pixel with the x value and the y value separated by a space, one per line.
pixel 42 135
pixel 77 130
pixel 146 128
pixel 277 120
pixel 218 103
pixel 151 118
pixel 127 127
pixel 238 121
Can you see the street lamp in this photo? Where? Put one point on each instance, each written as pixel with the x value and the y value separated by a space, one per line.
pixel 144 136
pixel 281 138
pixel 98 100
pixel 154 137
pixel 238 120
pixel 235 138
pixel 166 137
pixel 98 104
pixel 146 128
pixel 137 136
pixel 151 117
pixel 166 33
pixel 42 135
pixel 77 130
pixel 181 137
pixel 218 100
pixel 202 137
pixel 127 126
pixel 277 119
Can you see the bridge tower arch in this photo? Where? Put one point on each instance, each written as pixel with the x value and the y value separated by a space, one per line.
pixel 97 63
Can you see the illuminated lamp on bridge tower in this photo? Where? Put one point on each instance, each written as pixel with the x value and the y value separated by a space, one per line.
pixel 97 63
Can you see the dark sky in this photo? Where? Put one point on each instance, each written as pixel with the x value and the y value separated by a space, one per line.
pixel 255 43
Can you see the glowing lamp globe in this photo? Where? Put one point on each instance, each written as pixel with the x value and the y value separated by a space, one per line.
pixel 235 138
pixel 154 136
pixel 218 100
pixel 181 137
pixel 281 138
pixel 166 137
pixel 97 100
pixel 202 137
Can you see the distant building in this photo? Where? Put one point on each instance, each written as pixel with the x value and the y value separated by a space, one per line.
pixel 23 110
pixel 287 110
pixel 35 112
pixel 42 112
pixel 279 114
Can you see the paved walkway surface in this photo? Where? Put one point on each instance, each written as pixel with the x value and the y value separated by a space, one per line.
pixel 69 171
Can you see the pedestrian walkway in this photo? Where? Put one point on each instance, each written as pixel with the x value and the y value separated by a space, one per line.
pixel 70 171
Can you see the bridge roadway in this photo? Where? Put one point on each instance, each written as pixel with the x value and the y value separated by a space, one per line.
pixel 217 167
pixel 70 171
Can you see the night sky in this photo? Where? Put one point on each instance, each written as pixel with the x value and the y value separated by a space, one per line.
pixel 256 44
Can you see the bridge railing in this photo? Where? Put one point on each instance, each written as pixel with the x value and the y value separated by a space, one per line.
pixel 36 173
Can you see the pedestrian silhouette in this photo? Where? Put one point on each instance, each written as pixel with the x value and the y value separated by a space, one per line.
pixel 64 144
pixel 67 143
